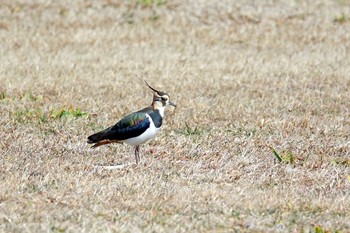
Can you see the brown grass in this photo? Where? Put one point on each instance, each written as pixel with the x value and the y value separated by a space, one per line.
pixel 247 76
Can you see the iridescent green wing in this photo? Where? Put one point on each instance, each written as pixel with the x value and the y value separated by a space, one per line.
pixel 129 126
pixel 131 121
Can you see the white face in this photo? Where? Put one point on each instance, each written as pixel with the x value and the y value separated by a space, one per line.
pixel 165 100
pixel 162 100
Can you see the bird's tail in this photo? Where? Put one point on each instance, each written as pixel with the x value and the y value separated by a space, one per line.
pixel 95 138
pixel 100 138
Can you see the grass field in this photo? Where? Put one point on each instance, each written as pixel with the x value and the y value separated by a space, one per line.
pixel 259 142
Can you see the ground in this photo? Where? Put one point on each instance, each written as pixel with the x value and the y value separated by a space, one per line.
pixel 259 142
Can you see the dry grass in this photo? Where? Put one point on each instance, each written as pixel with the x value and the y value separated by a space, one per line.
pixel 247 76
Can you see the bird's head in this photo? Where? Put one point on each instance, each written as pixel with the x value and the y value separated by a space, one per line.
pixel 160 99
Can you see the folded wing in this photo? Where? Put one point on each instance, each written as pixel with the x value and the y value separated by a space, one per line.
pixel 129 126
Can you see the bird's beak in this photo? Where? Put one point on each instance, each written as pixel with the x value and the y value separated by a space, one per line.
pixel 172 104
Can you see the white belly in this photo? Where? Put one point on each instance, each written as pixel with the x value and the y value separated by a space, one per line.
pixel 147 135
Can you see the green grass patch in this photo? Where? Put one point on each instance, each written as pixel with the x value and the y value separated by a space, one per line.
pixel 37 114
pixel 285 156
pixel 342 18
pixel 341 161
pixel 67 112
pixel 24 98
pixel 191 130
pixel 2 95
pixel 278 157
pixel 29 97
pixel 56 229
pixel 320 229
pixel 151 3
pixel 28 115
pixel 148 6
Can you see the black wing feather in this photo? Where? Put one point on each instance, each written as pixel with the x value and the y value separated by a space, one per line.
pixel 130 126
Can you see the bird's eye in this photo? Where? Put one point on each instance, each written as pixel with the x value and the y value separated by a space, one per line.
pixel 164 99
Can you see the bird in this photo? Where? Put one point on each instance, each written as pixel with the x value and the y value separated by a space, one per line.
pixel 136 128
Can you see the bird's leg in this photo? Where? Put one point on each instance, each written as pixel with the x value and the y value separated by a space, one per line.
pixel 137 154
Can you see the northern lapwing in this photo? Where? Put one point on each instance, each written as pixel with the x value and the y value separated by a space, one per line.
pixel 136 128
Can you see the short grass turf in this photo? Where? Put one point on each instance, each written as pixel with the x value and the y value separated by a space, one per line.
pixel 259 141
